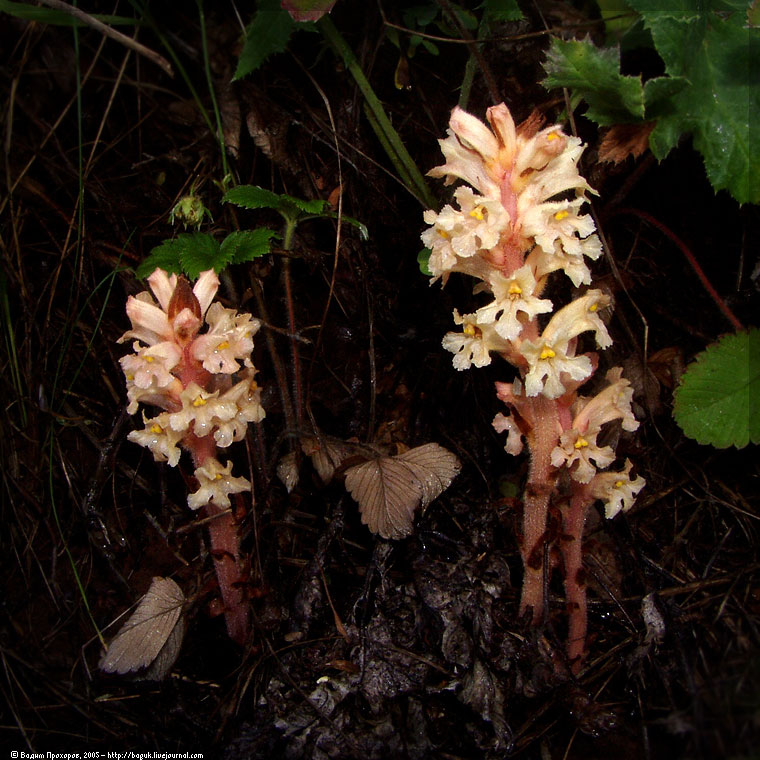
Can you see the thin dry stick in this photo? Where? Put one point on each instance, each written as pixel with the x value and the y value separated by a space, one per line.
pixel 108 31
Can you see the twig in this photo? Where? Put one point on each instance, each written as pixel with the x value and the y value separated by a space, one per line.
pixel 686 251
pixel 108 31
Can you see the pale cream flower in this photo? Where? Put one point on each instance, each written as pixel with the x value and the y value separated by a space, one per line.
pixel 547 356
pixel 577 446
pixel 216 485
pixel 228 340
pixel 159 437
pixel 202 410
pixel 178 315
pixel 502 423
pixel 246 395
pixel 617 489
pixel 576 452
pixel 558 220
pixel 151 365
pixel 612 403
pixel 513 295
pixel 474 344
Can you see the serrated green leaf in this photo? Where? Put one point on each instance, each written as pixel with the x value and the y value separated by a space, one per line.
pixel 267 34
pixel 164 256
pixel 200 252
pixel 317 206
pixel 423 257
pixel 718 55
pixel 246 245
pixel 594 73
pixel 252 197
pixel 718 400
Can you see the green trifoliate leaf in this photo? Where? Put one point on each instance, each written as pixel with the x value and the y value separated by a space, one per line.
pixel 164 256
pixel 246 245
pixel 718 400
pixel 267 34
pixel 200 252
pixel 253 197
pixel 594 74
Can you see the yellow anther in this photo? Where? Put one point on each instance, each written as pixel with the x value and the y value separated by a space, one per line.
pixel 593 307
pixel 477 213
pixel 149 359
pixel 218 476
pixel 515 289
pixel 619 483
pixel 224 344
pixel 560 215
pixel 547 353
pixel 130 378
pixel 200 401
pixel 552 136
pixel 581 443
pixel 156 429
pixel 445 235
pixel 469 329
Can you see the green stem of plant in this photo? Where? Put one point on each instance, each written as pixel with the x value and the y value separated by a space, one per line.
pixel 288 235
pixel 212 93
pixel 143 11
pixel 416 184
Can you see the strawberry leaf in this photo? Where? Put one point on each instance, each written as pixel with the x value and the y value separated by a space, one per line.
pixel 717 400
pixel 200 252
pixel 246 245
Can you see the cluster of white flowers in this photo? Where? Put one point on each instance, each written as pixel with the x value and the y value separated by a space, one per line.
pixel 204 382
pixel 516 221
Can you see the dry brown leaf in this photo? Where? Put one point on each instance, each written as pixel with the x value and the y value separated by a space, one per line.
pixel 390 489
pixel 287 471
pixel 625 140
pixel 151 633
pixel 326 455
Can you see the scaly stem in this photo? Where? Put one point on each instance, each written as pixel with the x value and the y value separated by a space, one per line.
pixel 541 440
pixel 573 522
pixel 225 550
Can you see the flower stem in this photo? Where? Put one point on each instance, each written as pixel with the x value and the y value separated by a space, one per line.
pixel 541 440
pixel 573 522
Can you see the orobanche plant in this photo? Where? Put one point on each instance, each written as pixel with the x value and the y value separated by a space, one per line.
pixel 204 383
pixel 516 221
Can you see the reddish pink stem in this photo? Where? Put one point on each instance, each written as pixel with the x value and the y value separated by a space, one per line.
pixel 541 440
pixel 686 251
pixel 573 522
pixel 225 551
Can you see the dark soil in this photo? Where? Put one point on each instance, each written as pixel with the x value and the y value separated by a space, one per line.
pixel 362 648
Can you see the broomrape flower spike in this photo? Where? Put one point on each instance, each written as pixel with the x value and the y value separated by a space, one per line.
pixel 517 219
pixel 191 358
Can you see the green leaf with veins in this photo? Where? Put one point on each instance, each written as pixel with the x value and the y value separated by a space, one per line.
pixel 164 256
pixel 267 34
pixel 720 106
pixel 245 245
pixel 718 400
pixel 199 252
pixel 594 74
